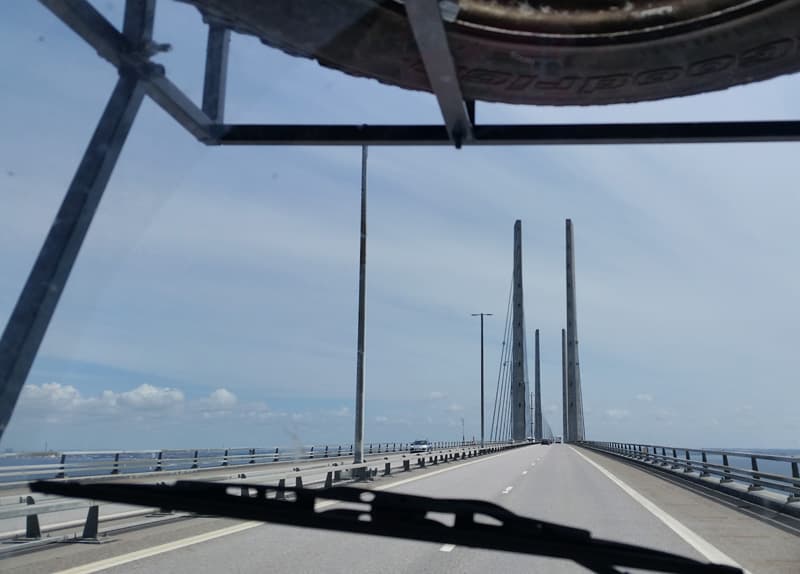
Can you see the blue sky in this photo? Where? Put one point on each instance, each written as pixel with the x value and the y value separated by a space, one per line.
pixel 214 301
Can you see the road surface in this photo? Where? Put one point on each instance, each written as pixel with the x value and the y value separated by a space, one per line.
pixel 558 483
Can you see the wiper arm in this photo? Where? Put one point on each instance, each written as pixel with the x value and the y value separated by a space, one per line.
pixel 389 514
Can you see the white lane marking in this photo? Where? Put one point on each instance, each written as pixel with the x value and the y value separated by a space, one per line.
pixel 447 548
pixel 156 550
pixel 507 489
pixel 524 472
pixel 693 539
pixel 435 472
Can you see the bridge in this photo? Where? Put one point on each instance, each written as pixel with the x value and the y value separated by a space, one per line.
pixel 734 508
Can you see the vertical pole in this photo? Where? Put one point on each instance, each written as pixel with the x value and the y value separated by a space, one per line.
pixel 533 430
pixel 537 375
pixel 482 438
pixel 362 278
pixel 518 390
pixel 564 402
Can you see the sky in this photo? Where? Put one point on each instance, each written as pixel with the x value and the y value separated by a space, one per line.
pixel 214 302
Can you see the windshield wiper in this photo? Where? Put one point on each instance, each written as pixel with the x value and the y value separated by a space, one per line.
pixel 475 523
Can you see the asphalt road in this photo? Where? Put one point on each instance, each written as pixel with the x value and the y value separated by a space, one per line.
pixel 555 483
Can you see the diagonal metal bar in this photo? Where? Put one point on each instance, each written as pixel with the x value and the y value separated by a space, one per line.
pixel 216 77
pixel 29 320
pixel 133 55
pixel 425 19
pixel 542 134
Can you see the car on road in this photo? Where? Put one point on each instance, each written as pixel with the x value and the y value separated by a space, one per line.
pixel 420 446
pixel 546 441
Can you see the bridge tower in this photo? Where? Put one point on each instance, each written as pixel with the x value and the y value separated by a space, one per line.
pixel 518 360
pixel 564 393
pixel 537 401
pixel 575 427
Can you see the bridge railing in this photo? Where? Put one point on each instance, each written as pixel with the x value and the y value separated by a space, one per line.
pixel 82 464
pixel 756 471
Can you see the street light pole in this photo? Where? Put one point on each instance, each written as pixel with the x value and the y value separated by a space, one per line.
pixel 358 442
pixel 482 315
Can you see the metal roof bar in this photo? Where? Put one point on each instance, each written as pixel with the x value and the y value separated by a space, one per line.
pixel 112 45
pixel 425 19
pixel 542 134
pixel 216 79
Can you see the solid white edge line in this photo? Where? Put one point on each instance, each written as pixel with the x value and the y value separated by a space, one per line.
pixel 703 546
pixel 92 567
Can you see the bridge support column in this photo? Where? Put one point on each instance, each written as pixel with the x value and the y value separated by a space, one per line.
pixel 519 391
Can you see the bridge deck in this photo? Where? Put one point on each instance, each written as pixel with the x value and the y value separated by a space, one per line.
pixel 558 483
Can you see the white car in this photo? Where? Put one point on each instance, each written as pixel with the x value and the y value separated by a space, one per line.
pixel 420 446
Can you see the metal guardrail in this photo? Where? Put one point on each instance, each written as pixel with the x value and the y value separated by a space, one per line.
pixel 701 462
pixel 30 509
pixel 84 464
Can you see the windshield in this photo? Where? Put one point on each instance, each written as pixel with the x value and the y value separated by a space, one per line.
pixel 596 336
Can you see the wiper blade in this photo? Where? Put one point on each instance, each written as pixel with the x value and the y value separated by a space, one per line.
pixel 475 523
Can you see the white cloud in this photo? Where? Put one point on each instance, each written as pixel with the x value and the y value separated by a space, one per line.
pixel 618 414
pixel 454 408
pixel 342 412
pixel 646 397
pixel 221 399
pixel 50 396
pixel 435 395
pixel 150 397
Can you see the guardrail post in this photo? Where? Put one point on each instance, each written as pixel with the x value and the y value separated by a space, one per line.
pixel 225 458
pixel 32 530
pixel 379 448
pixel 756 476
pixel 62 473
pixel 91 526
pixel 674 464
pixel 727 475
pixel 115 470
pixel 298 482
pixel 351 449
pixel 705 465
pixel 688 462
pixel 387 469
pixel 339 452
pixel 280 493
pixel 370 448
pixel 311 453
pixel 196 457
pixel 276 457
pixel 394 447
pixel 796 477
pixel 329 480
pixel 159 462
pixel 326 451
pixel 406 465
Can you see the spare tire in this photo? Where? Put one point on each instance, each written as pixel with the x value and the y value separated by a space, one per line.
pixel 561 52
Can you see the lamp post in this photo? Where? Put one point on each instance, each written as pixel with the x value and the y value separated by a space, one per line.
pixel 481 315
